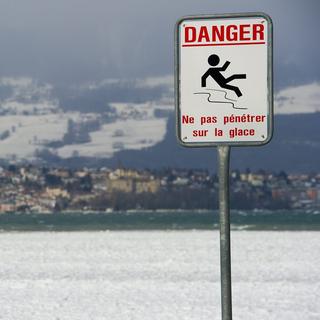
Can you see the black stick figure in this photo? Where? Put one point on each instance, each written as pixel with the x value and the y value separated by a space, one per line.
pixel 215 74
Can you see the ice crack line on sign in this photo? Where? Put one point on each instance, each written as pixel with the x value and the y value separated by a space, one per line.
pixel 230 101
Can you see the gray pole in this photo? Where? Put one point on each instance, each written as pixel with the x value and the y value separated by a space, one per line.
pixel 225 255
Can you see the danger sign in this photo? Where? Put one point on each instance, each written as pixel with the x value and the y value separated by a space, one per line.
pixel 224 80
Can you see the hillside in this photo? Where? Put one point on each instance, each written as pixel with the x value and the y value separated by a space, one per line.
pixel 295 147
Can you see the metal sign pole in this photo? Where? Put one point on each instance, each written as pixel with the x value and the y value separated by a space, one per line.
pixel 206 116
pixel 225 252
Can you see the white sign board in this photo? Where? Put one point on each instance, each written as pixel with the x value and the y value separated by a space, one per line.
pixel 224 80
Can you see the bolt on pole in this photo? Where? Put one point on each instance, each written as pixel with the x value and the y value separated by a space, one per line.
pixel 225 251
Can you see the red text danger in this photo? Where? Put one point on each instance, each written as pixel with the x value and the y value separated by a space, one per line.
pixel 224 33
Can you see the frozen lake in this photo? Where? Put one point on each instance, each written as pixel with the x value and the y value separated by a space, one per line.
pixel 157 275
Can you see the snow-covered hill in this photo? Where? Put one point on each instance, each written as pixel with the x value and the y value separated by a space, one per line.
pixel 135 127
pixel 298 99
pixel 32 121
pixel 92 121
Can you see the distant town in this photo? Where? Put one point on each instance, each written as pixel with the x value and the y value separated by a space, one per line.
pixel 48 190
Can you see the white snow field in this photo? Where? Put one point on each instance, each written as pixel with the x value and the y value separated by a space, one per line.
pixel 112 137
pixel 135 128
pixel 157 275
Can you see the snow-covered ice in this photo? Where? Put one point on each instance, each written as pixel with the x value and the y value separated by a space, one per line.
pixel 157 275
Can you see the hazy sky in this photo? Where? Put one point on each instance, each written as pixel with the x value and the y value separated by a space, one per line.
pixel 71 41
